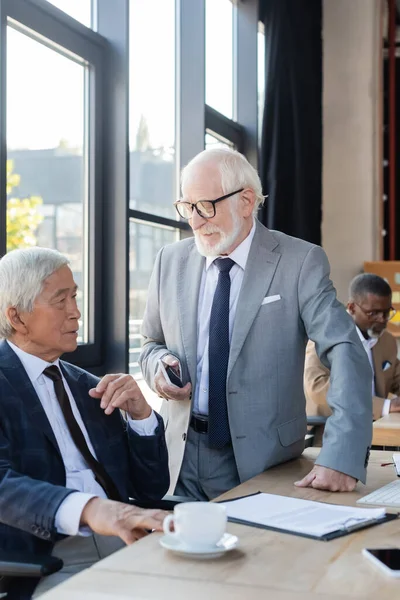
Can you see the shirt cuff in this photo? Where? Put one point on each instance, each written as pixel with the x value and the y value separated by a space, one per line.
pixel 146 426
pixel 386 407
pixel 69 514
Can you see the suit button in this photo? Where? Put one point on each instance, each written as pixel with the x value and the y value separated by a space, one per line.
pixel 46 534
pixel 34 529
pixel 184 437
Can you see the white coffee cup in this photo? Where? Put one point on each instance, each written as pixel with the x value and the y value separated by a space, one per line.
pixel 197 524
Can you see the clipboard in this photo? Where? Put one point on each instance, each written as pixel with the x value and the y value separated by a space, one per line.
pixel 332 535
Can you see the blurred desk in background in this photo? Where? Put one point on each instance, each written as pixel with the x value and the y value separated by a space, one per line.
pixel 386 431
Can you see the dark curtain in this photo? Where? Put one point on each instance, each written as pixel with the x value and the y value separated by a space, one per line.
pixel 386 128
pixel 291 144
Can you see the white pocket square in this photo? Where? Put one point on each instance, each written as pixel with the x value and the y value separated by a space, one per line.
pixel 269 299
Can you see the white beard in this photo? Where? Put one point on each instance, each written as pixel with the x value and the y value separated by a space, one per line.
pixel 372 334
pixel 226 239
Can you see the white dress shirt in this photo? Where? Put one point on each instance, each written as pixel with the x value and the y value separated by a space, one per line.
pixel 368 344
pixel 78 476
pixel 208 286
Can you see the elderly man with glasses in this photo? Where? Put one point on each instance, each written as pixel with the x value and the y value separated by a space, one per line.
pixel 370 305
pixel 226 325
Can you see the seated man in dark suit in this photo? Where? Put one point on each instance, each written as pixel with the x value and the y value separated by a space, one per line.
pixel 69 461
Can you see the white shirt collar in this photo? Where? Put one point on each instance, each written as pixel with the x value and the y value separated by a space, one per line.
pixel 240 254
pixel 33 365
pixel 368 343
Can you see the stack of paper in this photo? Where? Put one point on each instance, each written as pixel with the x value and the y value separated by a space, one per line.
pixel 304 517
pixel 396 460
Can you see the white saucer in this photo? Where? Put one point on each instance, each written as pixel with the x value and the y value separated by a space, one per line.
pixel 226 543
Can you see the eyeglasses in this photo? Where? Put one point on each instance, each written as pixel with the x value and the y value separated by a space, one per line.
pixel 205 208
pixel 387 314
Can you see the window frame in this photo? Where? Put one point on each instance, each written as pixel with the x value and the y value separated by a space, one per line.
pixel 180 226
pixel 108 250
pixel 241 130
pixel 47 21
pixel 225 128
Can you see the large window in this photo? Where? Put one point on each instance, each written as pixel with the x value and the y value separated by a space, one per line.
pixel 146 239
pixel 222 128
pixel 219 56
pixel 152 106
pixel 47 155
pixel 51 170
pixel 152 153
pixel 101 105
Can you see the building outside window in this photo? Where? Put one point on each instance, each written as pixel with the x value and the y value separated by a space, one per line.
pixel 172 85
pixel 46 154
pixel 152 151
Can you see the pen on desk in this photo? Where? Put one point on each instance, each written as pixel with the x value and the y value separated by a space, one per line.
pixel 387 464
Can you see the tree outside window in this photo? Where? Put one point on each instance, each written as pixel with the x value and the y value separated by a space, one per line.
pixel 23 217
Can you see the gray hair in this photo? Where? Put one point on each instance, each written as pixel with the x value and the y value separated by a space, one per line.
pixel 368 283
pixel 235 170
pixel 22 275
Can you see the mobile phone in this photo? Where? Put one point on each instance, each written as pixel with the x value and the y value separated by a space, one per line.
pixel 170 375
pixel 166 503
pixel 173 376
pixel 387 559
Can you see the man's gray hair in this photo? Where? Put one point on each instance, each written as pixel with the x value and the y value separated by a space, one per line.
pixel 368 283
pixel 236 171
pixel 22 275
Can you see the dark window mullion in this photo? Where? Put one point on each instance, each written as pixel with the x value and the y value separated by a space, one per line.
pixel 159 220
pixel 224 127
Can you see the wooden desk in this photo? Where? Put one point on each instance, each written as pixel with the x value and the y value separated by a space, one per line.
pixel 266 565
pixel 387 431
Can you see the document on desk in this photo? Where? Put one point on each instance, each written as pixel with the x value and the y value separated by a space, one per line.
pixel 396 460
pixel 302 517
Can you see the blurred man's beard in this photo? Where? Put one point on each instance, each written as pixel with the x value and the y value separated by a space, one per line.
pixel 375 334
pixel 226 239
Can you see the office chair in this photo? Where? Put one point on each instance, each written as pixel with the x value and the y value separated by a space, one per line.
pixel 18 570
pixel 314 424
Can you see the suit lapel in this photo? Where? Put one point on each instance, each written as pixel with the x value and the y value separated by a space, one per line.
pixel 189 280
pixel 377 356
pixel 258 275
pixel 260 269
pixel 15 373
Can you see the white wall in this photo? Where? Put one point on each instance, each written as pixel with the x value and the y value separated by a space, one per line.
pixel 351 136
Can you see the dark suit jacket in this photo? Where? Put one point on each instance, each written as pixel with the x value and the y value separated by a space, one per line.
pixel 32 473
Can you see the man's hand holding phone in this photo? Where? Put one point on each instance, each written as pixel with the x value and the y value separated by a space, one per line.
pixel 168 381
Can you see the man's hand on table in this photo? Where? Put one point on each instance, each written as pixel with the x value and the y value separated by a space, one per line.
pixel 322 478
pixel 129 522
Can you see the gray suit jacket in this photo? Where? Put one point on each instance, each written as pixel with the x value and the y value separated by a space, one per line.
pixel 265 396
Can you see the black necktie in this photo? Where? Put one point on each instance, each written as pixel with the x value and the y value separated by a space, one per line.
pixel 102 477
pixel 218 357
